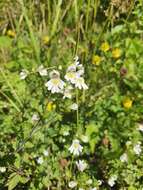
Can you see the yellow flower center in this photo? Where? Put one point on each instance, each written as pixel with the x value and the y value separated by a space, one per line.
pixel 71 75
pixel 76 145
pixel 55 82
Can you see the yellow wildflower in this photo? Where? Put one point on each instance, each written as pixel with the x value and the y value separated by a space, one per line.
pixel 105 47
pixel 11 33
pixel 96 59
pixel 127 103
pixel 51 106
pixel 46 40
pixel 116 53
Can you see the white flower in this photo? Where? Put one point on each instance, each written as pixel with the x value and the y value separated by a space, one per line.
pixel 79 83
pixel 35 118
pixel 137 148
pixel 60 67
pixel 89 182
pixel 67 92
pixel 80 71
pixel 75 148
pixel 71 76
pixel 81 165
pixel 23 74
pixel 99 182
pixel 76 59
pixel 124 158
pixel 80 189
pixel 128 143
pixel 42 71
pixel 95 188
pixel 40 160
pixel 55 84
pixel 72 184
pixel 74 106
pixel 2 169
pixel 46 153
pixel 112 180
pixel 66 133
pixel 140 127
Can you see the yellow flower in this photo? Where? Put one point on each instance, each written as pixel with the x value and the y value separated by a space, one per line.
pixel 116 53
pixel 11 33
pixel 46 40
pixel 51 106
pixel 127 103
pixel 105 47
pixel 96 59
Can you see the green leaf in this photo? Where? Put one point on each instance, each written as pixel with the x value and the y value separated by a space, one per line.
pixel 12 183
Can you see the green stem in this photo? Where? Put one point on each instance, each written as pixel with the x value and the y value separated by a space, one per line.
pixel 71 164
pixel 87 15
pixel 33 40
pixel 10 101
pixel 77 111
pixel 57 18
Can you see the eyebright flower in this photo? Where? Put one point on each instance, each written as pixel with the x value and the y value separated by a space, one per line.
pixel 105 47
pixel 116 53
pixel 79 83
pixel 96 59
pixel 95 188
pixel 67 92
pixel 35 118
pixel 137 148
pixel 23 74
pixel 66 133
pixel 11 33
pixel 99 182
pixel 112 180
pixel 89 182
pixel 55 84
pixel 42 71
pixel 124 158
pixel 72 184
pixel 40 160
pixel 46 153
pixel 127 103
pixel 75 148
pixel 81 165
pixel 74 106
pixel 71 76
pixel 2 169
pixel 140 127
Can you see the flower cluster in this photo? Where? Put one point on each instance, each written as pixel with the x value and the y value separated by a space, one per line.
pixel 74 79
pixel 75 73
